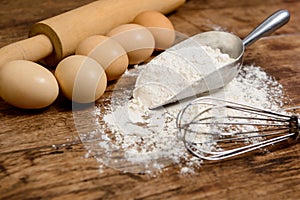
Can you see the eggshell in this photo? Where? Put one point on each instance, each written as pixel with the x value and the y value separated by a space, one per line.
pixel 160 26
pixel 137 40
pixel 27 85
pixel 81 79
pixel 107 52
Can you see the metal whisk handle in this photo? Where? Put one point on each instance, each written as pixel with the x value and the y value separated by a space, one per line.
pixel 295 127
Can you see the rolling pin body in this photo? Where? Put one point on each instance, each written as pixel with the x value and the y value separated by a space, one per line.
pixel 65 31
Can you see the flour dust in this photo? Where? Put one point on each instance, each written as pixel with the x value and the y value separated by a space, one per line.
pixel 131 138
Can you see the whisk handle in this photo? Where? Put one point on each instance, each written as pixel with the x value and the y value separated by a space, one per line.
pixel 268 26
pixel 295 127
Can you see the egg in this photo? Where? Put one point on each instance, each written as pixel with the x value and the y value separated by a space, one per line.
pixel 81 79
pixel 28 85
pixel 137 40
pixel 160 26
pixel 107 52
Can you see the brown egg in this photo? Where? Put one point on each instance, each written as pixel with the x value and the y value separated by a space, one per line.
pixel 137 40
pixel 160 26
pixel 27 85
pixel 107 52
pixel 81 78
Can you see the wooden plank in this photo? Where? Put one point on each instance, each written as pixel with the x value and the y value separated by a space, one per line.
pixel 239 17
pixel 279 57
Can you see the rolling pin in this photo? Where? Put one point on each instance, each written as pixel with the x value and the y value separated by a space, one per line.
pixel 57 37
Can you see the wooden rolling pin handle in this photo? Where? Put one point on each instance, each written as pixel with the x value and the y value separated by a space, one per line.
pixel 32 49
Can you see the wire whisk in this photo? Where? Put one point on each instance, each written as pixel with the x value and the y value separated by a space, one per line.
pixel 216 129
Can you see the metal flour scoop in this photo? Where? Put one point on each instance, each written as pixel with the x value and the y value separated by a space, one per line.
pixel 233 46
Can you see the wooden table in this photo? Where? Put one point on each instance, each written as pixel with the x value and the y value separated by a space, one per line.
pixel 42 157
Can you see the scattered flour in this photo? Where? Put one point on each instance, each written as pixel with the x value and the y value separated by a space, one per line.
pixel 132 138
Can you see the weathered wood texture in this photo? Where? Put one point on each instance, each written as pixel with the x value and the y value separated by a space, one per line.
pixel 42 157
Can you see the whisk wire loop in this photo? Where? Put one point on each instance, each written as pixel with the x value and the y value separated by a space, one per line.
pixel 221 129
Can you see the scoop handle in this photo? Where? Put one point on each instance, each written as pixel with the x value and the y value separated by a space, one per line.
pixel 268 26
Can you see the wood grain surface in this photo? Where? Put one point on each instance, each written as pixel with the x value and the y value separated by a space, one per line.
pixel 42 157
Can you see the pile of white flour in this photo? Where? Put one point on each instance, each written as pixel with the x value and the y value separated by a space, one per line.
pixel 132 138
